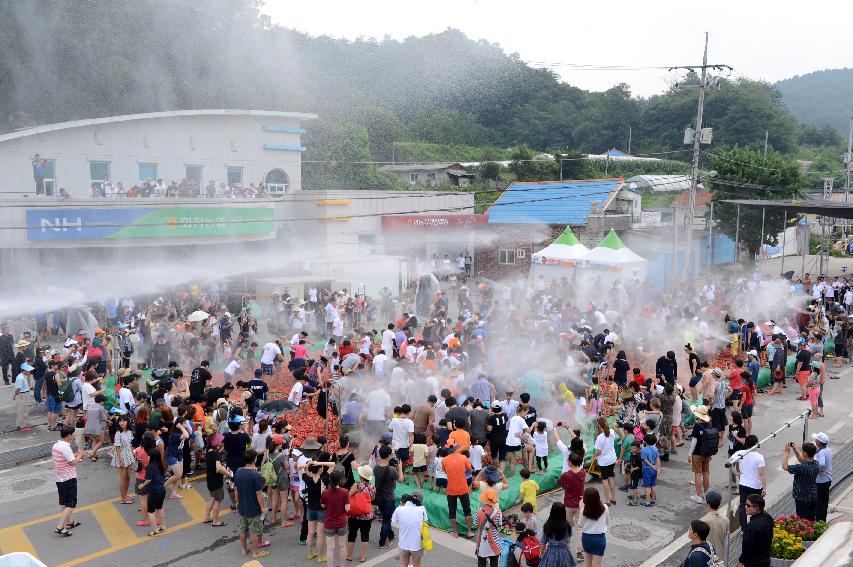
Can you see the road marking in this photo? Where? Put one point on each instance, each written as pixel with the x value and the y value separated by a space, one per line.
pixel 115 528
pixel 837 427
pixel 194 503
pixel 14 539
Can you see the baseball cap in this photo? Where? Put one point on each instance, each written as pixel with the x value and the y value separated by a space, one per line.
pixel 386 438
pixel 237 419
pixel 26 366
pixel 713 498
pixel 822 437
pixel 753 352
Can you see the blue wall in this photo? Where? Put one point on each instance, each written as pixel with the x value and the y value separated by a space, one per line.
pixel 660 267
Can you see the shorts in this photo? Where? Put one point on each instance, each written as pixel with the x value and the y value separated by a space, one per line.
pixel 700 464
pixel 746 411
pixel 53 404
pixel 268 369
pixel 418 553
pixel 250 525
pixel 635 482
pixel 497 451
pixel 814 394
pixel 140 490
pixel 403 454
pixel 737 394
pixel 594 544
pixel 464 499
pixel 67 490
pixel 441 483
pixel 73 408
pixel 650 477
pixel 315 515
pixel 694 381
pixel 512 448
pixel 217 494
pixel 419 469
pixel 802 377
pixel 607 472
pixel 335 531
pixel 357 526
pixel 155 501
pixel 174 460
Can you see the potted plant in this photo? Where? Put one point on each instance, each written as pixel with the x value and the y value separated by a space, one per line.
pixel 786 548
pixel 807 530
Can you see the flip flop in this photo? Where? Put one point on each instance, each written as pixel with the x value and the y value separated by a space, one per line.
pixel 288 525
pixel 72 525
pixel 219 525
pixel 261 554
pixel 207 522
pixel 63 532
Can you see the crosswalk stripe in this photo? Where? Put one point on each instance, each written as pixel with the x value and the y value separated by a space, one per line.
pixel 115 528
pixel 194 504
pixel 14 539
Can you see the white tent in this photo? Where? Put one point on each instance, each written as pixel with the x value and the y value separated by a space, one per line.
pixel 555 259
pixel 612 256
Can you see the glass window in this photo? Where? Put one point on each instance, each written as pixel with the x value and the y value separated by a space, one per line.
pixel 276 181
pixel 99 171
pixel 506 256
pixel 235 175
pixel 148 172
pixel 50 177
pixel 194 172
pixel 413 177
pixel 430 175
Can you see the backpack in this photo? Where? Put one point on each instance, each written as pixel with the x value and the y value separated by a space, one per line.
pixel 95 352
pixel 66 390
pixel 269 474
pixel 531 550
pixel 713 559
pixel 709 440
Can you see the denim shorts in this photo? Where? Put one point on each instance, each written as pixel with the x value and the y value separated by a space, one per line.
pixel 594 544
pixel 53 404
pixel 650 478
pixel 315 515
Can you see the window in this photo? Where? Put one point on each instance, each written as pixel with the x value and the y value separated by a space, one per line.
pixel 521 253
pixel 506 256
pixel 235 175
pixel 50 177
pixel 367 244
pixel 193 172
pixel 99 171
pixel 276 181
pixel 413 178
pixel 431 176
pixel 148 172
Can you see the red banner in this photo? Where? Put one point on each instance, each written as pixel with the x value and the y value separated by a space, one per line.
pixel 392 223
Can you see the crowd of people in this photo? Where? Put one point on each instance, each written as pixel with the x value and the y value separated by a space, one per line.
pixel 465 407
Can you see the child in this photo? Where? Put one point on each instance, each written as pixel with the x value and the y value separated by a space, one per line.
pixel 814 389
pixel 419 458
pixel 476 458
pixel 635 472
pixel 623 452
pixel 431 456
pixel 440 475
pixel 531 523
pixel 651 468
pixel 443 433
pixel 540 441
pixel 527 489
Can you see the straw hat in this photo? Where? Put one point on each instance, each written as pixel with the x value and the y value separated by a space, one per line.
pixel 701 412
pixel 122 372
pixel 365 473
pixel 22 344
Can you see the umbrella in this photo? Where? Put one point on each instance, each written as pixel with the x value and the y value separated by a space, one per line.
pixel 197 316
pixel 278 406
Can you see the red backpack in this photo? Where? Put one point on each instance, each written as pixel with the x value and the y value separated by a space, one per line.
pixel 531 550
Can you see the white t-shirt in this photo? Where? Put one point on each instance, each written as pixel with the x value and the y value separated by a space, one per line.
pixel 271 350
pixel 510 406
pixel 400 428
pixel 377 402
pixel 439 470
pixel 338 327
pixel 331 312
pixel 388 341
pixel 232 367
pixel 296 393
pixel 540 441
pixel 366 343
pixel 379 363
pixel 312 295
pixel 410 519
pixel 749 466
pixel 608 452
pixel 125 400
pixel 516 425
pixel 294 340
pixel 476 456
pixel 89 396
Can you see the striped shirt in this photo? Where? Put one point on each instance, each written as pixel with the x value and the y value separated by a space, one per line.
pixel 62 458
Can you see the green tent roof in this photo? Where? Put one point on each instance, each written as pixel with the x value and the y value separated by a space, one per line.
pixel 612 241
pixel 568 238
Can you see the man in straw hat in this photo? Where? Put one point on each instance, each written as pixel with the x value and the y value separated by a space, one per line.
pixel 704 443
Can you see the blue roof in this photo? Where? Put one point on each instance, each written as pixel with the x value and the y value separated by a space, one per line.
pixel 551 202
pixel 615 153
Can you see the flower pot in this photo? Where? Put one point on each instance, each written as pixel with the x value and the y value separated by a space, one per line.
pixel 774 562
pixel 807 544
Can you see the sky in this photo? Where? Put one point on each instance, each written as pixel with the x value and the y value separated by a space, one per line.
pixel 759 39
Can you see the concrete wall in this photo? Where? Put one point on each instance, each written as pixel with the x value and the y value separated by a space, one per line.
pixel 211 141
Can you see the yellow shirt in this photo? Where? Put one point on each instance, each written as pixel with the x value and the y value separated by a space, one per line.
pixel 419 455
pixel 528 490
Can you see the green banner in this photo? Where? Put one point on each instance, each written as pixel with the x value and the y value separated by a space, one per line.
pixel 180 222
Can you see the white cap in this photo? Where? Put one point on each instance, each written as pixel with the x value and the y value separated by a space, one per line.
pixel 753 353
pixel 822 437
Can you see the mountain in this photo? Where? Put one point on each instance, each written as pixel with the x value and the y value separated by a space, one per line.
pixel 821 97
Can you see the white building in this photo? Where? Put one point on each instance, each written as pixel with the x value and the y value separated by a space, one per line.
pixel 223 145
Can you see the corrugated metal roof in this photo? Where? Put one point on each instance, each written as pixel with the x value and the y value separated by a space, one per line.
pixel 660 183
pixel 552 202
pixel 404 167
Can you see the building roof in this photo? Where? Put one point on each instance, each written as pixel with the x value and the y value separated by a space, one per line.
pixel 46 128
pixel 703 198
pixel 660 183
pixel 552 202
pixel 420 167
pixel 825 208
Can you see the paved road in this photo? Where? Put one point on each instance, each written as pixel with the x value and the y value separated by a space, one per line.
pixel 109 536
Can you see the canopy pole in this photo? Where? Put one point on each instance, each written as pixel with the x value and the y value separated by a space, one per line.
pixel 711 237
pixel 784 233
pixel 761 244
pixel 737 235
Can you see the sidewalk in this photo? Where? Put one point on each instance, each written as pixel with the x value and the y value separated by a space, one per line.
pixel 15 446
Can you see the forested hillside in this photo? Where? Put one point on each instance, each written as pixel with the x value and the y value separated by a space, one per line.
pixel 820 98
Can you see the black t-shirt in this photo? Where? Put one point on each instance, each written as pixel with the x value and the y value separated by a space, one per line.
pixel 386 481
pixel 804 358
pixel 497 436
pixel 531 416
pixel 620 371
pixel 693 361
pixel 50 383
pixel 740 431
pixel 215 480
pixel 313 490
pixel 258 388
pixel 213 394
pixel 460 413
pixel 199 379
pixel 235 447
pixel 346 461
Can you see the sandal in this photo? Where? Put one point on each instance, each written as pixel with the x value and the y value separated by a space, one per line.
pixel 152 534
pixel 261 554
pixel 289 525
pixel 218 524
pixel 72 525
pixel 62 531
pixel 207 522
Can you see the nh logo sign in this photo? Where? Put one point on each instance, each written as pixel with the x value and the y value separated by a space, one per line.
pixel 61 224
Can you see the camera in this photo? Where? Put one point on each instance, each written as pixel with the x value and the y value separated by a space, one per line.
pixel 392 462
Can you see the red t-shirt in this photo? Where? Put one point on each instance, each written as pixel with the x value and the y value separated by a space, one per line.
pixel 735 379
pixel 746 389
pixel 344 350
pixel 573 485
pixel 639 379
pixel 334 501
pixel 455 466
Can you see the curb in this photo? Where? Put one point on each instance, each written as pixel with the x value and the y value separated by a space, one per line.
pixel 19 456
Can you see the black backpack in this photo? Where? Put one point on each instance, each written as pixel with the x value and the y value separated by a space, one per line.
pixel 709 441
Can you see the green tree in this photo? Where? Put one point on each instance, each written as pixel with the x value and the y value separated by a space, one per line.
pixel 778 178
pixel 526 167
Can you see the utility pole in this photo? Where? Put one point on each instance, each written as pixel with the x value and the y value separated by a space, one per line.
pixel 697 141
pixel 766 137
pixel 629 139
pixel 848 162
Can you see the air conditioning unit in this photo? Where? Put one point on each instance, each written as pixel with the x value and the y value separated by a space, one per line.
pixel 521 253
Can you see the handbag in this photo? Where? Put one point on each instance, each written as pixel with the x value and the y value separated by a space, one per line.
pixel 359 504
pixel 426 538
